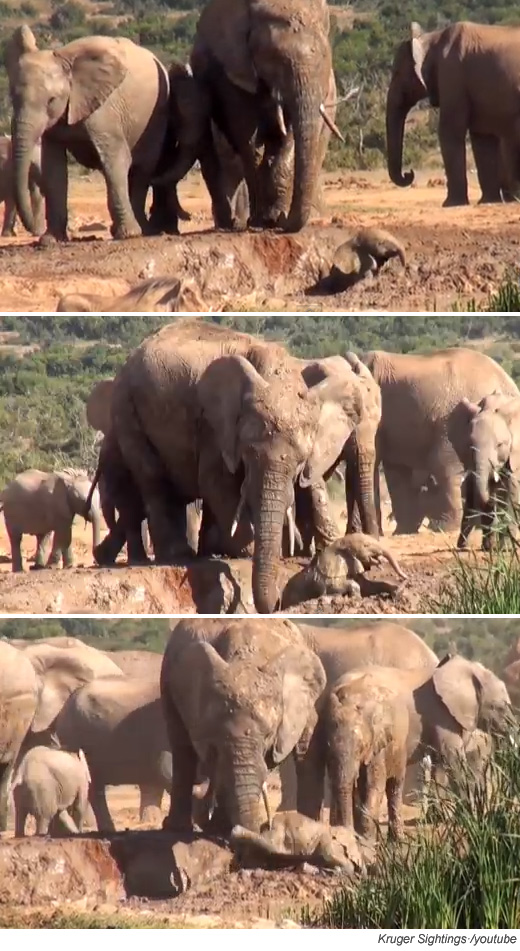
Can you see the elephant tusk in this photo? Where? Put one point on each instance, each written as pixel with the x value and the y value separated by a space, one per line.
pixel 238 512
pixel 332 125
pixel 281 120
pixel 496 477
pixel 267 805
pixel 292 530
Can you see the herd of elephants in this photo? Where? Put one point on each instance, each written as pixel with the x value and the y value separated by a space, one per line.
pixel 255 107
pixel 347 715
pixel 222 443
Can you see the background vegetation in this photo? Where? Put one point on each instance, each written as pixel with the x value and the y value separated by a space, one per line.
pixel 48 365
pixel 485 639
pixel 364 35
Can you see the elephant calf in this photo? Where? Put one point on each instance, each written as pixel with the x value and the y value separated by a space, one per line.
pixel 49 783
pixel 294 839
pixel 40 503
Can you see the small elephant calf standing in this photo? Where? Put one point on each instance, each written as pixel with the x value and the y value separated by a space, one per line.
pixel 48 783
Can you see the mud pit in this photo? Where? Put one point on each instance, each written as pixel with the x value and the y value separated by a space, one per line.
pixel 454 254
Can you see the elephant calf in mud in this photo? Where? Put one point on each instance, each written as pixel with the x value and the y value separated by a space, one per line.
pixel 157 295
pixel 294 839
pixel 365 253
pixel 48 783
pixel 41 503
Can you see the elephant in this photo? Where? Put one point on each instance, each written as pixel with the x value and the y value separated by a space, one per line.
pixel 205 412
pixel 424 426
pixel 445 706
pixel 118 722
pixel 337 569
pixel 295 839
pixel 158 295
pixel 138 664
pixel 48 783
pixel 366 729
pixel 455 68
pixel 366 252
pixel 492 479
pixel 267 66
pixel 104 100
pixel 39 503
pixel 7 195
pixel 19 689
pixel 237 699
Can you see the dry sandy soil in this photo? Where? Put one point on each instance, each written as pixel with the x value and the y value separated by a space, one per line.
pixel 454 254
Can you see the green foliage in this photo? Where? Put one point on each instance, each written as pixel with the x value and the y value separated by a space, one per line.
pixel 458 871
pixel 150 634
pixel 492 587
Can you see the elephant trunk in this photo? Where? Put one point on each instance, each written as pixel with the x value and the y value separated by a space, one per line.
pixel 95 515
pixel 270 506
pixel 360 480
pixel 481 481
pixel 342 780
pixel 247 768
pixel 397 110
pixel 304 104
pixel 25 137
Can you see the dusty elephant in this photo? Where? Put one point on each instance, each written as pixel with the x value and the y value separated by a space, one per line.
pixel 157 295
pixel 294 839
pixel 7 195
pixel 454 68
pixel 140 664
pixel 119 724
pixel 492 478
pixel 19 689
pixel 41 503
pixel 256 437
pixel 364 253
pixel 238 697
pixel 275 78
pixel 366 729
pixel 51 784
pixel 104 100
pixel 423 425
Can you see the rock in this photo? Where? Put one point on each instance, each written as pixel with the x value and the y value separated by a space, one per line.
pixel 157 864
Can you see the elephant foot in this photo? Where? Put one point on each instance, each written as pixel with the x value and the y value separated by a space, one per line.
pixel 178 824
pixel 10 233
pixel 490 200
pixel 103 554
pixel 49 240
pixel 121 232
pixel 455 202
pixel 462 543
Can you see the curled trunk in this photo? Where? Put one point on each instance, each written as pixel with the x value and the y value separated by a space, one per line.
pixel 396 112
pixel 25 138
pixel 270 505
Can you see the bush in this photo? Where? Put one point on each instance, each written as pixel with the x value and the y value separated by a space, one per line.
pixel 68 15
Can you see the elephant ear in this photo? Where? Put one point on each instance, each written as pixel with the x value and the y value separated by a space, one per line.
pixel 223 390
pixel 303 681
pixel 98 406
pixel 458 688
pixel 341 405
pixel 21 42
pixel 96 71
pixel 418 51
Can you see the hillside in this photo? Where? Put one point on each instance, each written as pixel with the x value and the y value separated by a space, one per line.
pixel 364 34
pixel 48 365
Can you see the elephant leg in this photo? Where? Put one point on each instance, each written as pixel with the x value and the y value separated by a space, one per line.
pixel 310 773
pixel 6 770
pixel 452 139
pixel 80 809
pixel 374 792
pixel 15 540
pixel 37 206
pixel 405 498
pixel 471 517
pixel 98 801
pixel 211 170
pixel 150 800
pixel 9 217
pixel 486 154
pixel 237 113
pixel 448 500
pixel 63 544
pixel 221 494
pixel 55 176
pixel 41 547
pixel 116 160
pixel 184 774
pixel 394 798
pixel 138 190
pixel 42 825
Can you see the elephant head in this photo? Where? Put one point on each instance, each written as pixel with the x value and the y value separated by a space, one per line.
pixel 493 442
pixel 271 431
pixel 474 696
pixel 47 87
pixel 414 77
pixel 247 719
pixel 73 488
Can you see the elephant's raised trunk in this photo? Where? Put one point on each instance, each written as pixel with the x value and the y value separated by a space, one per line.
pixel 397 110
pixel 304 104
pixel 25 137
pixel 269 506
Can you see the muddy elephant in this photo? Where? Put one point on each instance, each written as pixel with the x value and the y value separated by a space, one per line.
pixel 7 195
pixel 157 295
pixel 267 66
pixel 51 784
pixel 104 100
pixel 366 729
pixel 119 724
pixel 424 426
pixel 455 68
pixel 294 839
pixel 41 503
pixel 19 688
pixel 492 478
pixel 238 697
pixel 140 664
pixel 257 429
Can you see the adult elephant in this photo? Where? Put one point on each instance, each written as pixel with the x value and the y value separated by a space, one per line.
pixel 424 426
pixel 104 100
pixel 19 689
pixel 42 503
pixel 200 411
pixel 118 722
pixel 464 69
pixel 492 480
pixel 137 664
pixel 267 66
pixel 238 696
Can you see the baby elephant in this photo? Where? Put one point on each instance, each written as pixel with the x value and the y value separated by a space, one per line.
pixel 48 783
pixel 364 253
pixel 294 839
pixel 157 295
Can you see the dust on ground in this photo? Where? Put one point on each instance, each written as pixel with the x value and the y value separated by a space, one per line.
pixel 455 255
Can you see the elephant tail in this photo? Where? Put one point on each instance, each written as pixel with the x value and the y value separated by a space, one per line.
pixel 88 500
pixel 395 564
